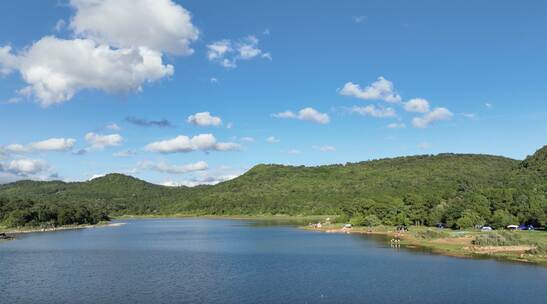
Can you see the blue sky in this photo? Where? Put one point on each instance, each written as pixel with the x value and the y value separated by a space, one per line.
pixel 86 89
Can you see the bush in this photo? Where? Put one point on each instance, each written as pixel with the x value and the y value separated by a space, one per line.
pixel 358 220
pixel 430 234
pixel 344 218
pixel 497 238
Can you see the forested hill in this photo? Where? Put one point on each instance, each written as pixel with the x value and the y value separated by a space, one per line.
pixel 425 189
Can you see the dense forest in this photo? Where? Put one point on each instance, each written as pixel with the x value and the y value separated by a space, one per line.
pixel 458 190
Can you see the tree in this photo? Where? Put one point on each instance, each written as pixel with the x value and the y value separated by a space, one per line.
pixel 371 221
pixel 502 218
pixel 470 219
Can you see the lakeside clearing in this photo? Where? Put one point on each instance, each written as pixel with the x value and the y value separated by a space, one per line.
pixel 530 247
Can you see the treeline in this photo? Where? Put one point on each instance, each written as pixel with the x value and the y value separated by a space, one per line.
pixel 458 190
pixel 495 207
pixel 17 213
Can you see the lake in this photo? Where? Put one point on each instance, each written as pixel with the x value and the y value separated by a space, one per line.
pixel 233 261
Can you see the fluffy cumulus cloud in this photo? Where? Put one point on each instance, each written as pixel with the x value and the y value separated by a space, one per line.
pixel 174 169
pixel 54 144
pixel 182 143
pixel 228 53
pixel 51 144
pixel 204 119
pixel 373 111
pixel 381 89
pixel 160 25
pixel 25 167
pixel 118 47
pixel 98 141
pixel 308 114
pixel 55 69
pixel 428 118
pixel 419 105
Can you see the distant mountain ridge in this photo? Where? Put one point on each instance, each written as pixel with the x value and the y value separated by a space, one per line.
pixel 429 180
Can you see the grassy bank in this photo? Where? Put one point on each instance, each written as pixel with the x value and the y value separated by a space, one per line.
pixel 13 232
pixel 519 246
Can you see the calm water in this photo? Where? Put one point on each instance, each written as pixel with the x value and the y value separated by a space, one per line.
pixel 222 261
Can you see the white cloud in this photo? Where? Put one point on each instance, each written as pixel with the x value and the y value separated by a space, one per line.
pixel 207 180
pixel 213 80
pixel 272 140
pixel 396 125
pixel 247 48
pixel 51 144
pixel 419 105
pixel 24 167
pixel 54 144
pixel 204 119
pixel 209 177
pixel 373 111
pixel 118 47
pixel 309 114
pixel 228 53
pixel 56 69
pixel 437 114
pixel 182 143
pixel 488 105
pixel 217 50
pixel 98 141
pixel 174 169
pixel 113 127
pixel 160 25
pixel 381 89
pixel 326 148
pixel 94 176
pixel 15 148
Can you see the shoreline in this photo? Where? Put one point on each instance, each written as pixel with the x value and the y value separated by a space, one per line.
pixel 459 247
pixel 14 232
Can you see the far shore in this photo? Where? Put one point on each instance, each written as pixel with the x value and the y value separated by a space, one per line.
pixel 15 231
pixel 458 245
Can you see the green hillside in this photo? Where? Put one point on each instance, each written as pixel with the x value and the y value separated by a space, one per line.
pixel 456 189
